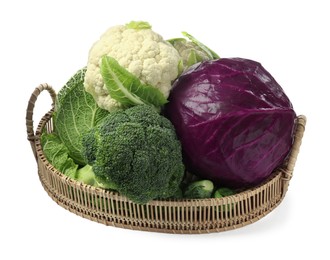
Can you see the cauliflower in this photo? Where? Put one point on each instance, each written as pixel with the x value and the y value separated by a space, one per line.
pixel 140 51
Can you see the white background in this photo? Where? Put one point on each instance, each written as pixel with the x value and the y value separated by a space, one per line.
pixel 47 41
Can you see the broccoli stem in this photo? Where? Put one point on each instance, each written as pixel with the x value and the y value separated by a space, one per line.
pixel 86 175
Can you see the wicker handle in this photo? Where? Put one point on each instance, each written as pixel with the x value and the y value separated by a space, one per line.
pixel 300 129
pixel 29 112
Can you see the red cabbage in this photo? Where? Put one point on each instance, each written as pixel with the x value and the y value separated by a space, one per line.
pixel 234 121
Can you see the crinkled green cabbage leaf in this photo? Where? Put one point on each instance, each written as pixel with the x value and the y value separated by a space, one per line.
pixel 76 112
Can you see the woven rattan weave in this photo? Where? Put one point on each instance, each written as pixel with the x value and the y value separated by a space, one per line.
pixel 170 216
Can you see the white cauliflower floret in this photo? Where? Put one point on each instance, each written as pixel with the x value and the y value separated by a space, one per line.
pixel 142 52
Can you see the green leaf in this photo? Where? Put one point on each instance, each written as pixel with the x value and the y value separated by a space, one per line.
pixel 192 58
pixel 58 154
pixel 173 41
pixel 191 51
pixel 126 88
pixel 206 49
pixel 76 112
pixel 180 67
pixel 138 25
pixel 223 192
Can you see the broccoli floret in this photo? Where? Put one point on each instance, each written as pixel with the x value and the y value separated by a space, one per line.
pixel 199 189
pixel 137 151
pixel 90 147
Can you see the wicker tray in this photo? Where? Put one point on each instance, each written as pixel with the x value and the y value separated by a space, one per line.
pixel 170 216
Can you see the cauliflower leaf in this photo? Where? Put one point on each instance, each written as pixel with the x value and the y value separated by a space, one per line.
pixel 191 51
pixel 138 25
pixel 126 88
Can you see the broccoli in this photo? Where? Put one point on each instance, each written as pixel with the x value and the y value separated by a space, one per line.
pixel 136 150
pixel 200 189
